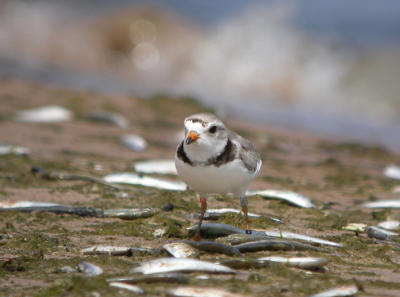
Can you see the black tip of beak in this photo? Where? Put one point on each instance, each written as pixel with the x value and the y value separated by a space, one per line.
pixel 189 140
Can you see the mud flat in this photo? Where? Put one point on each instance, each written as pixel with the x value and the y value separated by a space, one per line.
pixel 37 246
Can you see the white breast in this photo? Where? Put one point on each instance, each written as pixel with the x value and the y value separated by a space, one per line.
pixel 228 178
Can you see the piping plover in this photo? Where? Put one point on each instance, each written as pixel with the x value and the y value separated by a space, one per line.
pixel 211 159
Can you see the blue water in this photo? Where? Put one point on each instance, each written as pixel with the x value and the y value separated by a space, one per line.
pixel 363 23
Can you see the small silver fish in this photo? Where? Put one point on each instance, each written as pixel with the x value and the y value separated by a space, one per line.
pixel 156 166
pixel 273 245
pixel 290 235
pixel 130 213
pixel 378 233
pixel 214 247
pixel 240 263
pixel 299 262
pixel 134 142
pixel 216 213
pixel 107 250
pixel 28 204
pixel 338 292
pixel 13 150
pixel 181 250
pixel 146 181
pixel 146 251
pixel 389 225
pixel 56 175
pixel 200 292
pixel 216 230
pixel 392 171
pixel 128 287
pixel 383 204
pixel 153 278
pixel 45 114
pixel 290 197
pixel 89 269
pixel 235 239
pixel 164 265
pixel 109 117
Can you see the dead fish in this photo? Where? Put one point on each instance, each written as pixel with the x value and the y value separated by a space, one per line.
pixel 153 278
pixel 392 171
pixel 134 142
pixel 45 114
pixel 156 166
pixel 89 269
pixel 200 292
pixel 216 230
pixel 164 265
pixel 241 263
pixel 130 213
pixel 31 206
pixel 120 251
pixel 389 225
pixel 214 247
pixel 146 181
pixel 215 214
pixel 107 250
pixel 383 204
pixel 235 239
pixel 13 150
pixel 356 227
pixel 378 233
pixel 62 209
pixel 128 287
pixel 56 175
pixel 109 117
pixel 290 197
pixel 339 292
pixel 274 245
pixel 290 235
pixel 181 250
pixel 299 262
pixel 22 204
pixel 146 251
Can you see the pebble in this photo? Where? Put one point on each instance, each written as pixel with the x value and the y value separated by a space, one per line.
pixel 134 142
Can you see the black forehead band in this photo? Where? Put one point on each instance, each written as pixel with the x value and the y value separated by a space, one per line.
pixel 203 123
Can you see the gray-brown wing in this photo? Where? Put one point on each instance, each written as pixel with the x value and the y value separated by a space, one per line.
pixel 247 153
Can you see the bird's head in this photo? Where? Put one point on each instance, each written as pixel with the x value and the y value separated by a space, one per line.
pixel 205 136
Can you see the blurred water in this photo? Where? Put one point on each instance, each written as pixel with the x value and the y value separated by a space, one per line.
pixel 330 67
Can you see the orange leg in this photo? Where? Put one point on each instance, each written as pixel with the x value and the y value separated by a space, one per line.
pixel 243 202
pixel 203 203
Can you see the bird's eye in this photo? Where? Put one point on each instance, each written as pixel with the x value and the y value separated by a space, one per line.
pixel 213 129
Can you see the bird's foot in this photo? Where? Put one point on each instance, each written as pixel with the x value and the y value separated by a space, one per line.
pixel 248 231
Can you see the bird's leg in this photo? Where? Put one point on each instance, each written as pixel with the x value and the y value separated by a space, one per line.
pixel 243 202
pixel 203 203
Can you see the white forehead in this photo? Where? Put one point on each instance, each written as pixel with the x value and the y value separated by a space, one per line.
pixel 195 126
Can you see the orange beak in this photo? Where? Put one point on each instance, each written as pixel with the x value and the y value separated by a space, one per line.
pixel 192 137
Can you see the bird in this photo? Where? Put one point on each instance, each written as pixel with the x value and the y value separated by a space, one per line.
pixel 211 159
